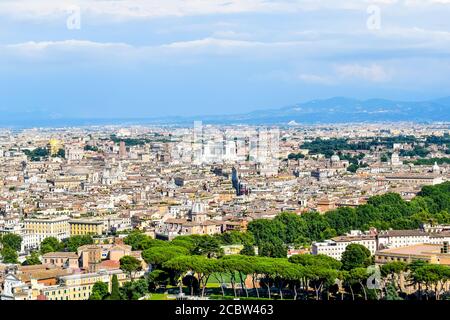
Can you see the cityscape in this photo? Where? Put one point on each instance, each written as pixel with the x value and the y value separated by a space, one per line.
pixel 224 212
pixel 228 158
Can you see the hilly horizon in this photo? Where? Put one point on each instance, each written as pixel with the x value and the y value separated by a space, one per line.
pixel 343 109
pixel 332 110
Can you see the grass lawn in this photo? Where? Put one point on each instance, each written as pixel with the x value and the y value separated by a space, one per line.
pixel 226 278
pixel 158 296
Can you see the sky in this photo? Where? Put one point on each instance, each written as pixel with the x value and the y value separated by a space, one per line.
pixel 153 58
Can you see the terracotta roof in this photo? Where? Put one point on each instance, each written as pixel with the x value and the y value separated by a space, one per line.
pixel 44 274
pixel 120 247
pixel 425 249
pixel 109 264
pixel 67 255
pixel 403 233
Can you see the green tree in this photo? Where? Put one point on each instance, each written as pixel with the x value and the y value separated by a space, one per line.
pixel 248 250
pixel 36 154
pixel 274 250
pixel 294 226
pixel 73 243
pixel 32 259
pixel 156 256
pixel 158 277
pixel 432 277
pixel 319 260
pixel 12 240
pixel 208 246
pixel 134 290
pixel 50 244
pixel 61 153
pixel 355 256
pixel 239 265
pixel 115 292
pixel 316 225
pixel 391 293
pixel 342 219
pixel 392 271
pixel 100 291
pixel 359 275
pixel 235 237
pixel 187 242
pixel 179 266
pixel 321 278
pixel 95 296
pixel 130 265
pixel 9 255
pixel 135 240
pixel 267 231
pixel 264 267
pixel 201 266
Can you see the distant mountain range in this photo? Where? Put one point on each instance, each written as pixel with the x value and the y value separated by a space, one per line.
pixel 333 110
pixel 342 110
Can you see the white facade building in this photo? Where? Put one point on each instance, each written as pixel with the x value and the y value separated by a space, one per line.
pixel 336 246
pixel 403 238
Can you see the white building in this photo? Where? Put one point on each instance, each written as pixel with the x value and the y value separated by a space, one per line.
pixel 395 160
pixel 29 242
pixel 14 289
pixel 403 238
pixel 336 246
pixel 74 154
pixel 37 229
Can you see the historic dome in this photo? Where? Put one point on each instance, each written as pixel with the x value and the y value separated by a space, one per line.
pixel 335 158
pixel 436 167
pixel 198 207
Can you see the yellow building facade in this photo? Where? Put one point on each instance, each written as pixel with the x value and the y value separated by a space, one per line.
pixel 57 227
pixel 85 227
pixel 79 286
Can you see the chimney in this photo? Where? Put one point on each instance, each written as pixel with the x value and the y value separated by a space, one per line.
pixel 445 247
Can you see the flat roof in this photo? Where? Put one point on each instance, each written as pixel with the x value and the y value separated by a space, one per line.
pixel 85 222
pixel 424 249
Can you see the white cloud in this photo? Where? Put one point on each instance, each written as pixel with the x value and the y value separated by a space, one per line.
pixel 101 53
pixel 229 43
pixel 126 9
pixel 374 72
pixel 230 34
pixel 135 9
pixel 33 9
pixel 316 79
pixel 32 45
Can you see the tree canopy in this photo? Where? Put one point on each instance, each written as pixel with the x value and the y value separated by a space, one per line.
pixel 355 256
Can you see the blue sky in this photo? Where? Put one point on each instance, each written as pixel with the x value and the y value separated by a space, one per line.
pixel 136 58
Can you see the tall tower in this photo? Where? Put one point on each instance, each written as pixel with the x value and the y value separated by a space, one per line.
pixel 395 160
pixel 235 179
pixel 122 149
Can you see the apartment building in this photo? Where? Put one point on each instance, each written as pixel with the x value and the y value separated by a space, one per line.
pixel 432 253
pixel 37 229
pixel 402 238
pixel 82 227
pixel 61 259
pixel 79 286
pixel 336 246
pixel 415 179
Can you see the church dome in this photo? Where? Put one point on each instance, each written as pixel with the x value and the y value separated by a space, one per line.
pixel 436 167
pixel 198 207
pixel 335 158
